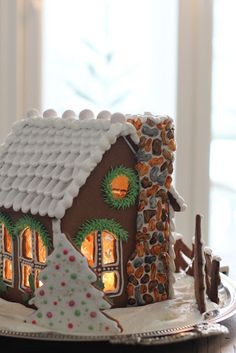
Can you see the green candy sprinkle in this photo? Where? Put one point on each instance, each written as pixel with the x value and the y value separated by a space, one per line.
pixel 50 324
pixel 58 256
pixel 77 312
pixel 45 302
pixel 39 315
pixel 90 327
pixel 62 312
pixel 44 277
pixel 73 276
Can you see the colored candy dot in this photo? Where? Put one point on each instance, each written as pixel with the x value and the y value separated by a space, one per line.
pixel 72 258
pixel 107 328
pixel 63 284
pixel 58 256
pixel 71 303
pixel 51 287
pixel 33 322
pixel 39 315
pixel 88 295
pixel 44 277
pixel 41 292
pixel 62 312
pixel 65 251
pixel 90 327
pixel 73 276
pixel 70 325
pixel 83 302
pixel 55 303
pixel 45 302
pixel 93 314
pixel 77 312
pixel 57 267
pixel 49 314
pixel 50 324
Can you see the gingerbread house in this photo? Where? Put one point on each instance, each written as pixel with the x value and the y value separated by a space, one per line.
pixel 106 184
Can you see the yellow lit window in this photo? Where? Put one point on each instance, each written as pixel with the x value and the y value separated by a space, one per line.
pixel 38 283
pixel 120 186
pixel 40 249
pixel 7 241
pixel 109 280
pixel 87 248
pixel 108 248
pixel 27 247
pixel 7 269
pixel 26 271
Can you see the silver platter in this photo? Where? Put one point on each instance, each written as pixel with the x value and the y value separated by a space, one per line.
pixel 208 327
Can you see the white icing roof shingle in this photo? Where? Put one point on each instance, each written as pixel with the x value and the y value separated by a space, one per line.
pixel 45 161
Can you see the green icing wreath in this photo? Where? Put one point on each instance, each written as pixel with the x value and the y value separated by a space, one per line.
pixel 100 224
pixel 132 192
pixel 6 220
pixel 33 224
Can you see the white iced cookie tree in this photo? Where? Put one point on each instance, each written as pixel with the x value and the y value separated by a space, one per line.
pixel 68 301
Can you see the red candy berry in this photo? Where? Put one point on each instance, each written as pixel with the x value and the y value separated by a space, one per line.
pixel 65 251
pixel 57 267
pixel 107 328
pixel 70 325
pixel 55 303
pixel 88 295
pixel 41 292
pixel 33 322
pixel 72 258
pixel 93 314
pixel 63 284
pixel 49 315
pixel 71 303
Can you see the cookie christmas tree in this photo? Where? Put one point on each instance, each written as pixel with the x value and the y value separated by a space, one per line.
pixel 68 300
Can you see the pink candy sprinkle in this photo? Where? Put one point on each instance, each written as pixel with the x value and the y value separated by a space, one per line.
pixel 41 292
pixel 70 325
pixel 72 258
pixel 49 315
pixel 65 251
pixel 93 314
pixel 71 303
pixel 88 295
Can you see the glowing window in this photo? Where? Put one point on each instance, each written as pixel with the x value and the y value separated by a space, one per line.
pixel 7 269
pixel 7 241
pixel 87 248
pixel 38 283
pixel 108 248
pixel 26 271
pixel 120 186
pixel 27 246
pixel 109 280
pixel 40 249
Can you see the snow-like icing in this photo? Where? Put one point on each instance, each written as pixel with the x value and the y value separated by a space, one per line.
pixel 45 161
pixel 177 312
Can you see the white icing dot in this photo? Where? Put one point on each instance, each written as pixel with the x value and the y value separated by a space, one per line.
pixel 118 118
pixel 32 113
pixel 86 114
pixel 50 113
pixel 104 114
pixel 68 114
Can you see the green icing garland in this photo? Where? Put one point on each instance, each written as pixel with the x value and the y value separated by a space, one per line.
pixel 6 220
pixel 100 224
pixel 133 189
pixel 28 221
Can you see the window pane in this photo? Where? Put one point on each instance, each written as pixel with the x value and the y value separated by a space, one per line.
pixel 38 283
pixel 40 249
pixel 108 248
pixel 26 271
pixel 110 281
pixel 27 248
pixel 7 269
pixel 88 247
pixel 121 55
pixel 7 240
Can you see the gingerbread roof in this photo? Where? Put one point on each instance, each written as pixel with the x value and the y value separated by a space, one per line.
pixel 45 161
